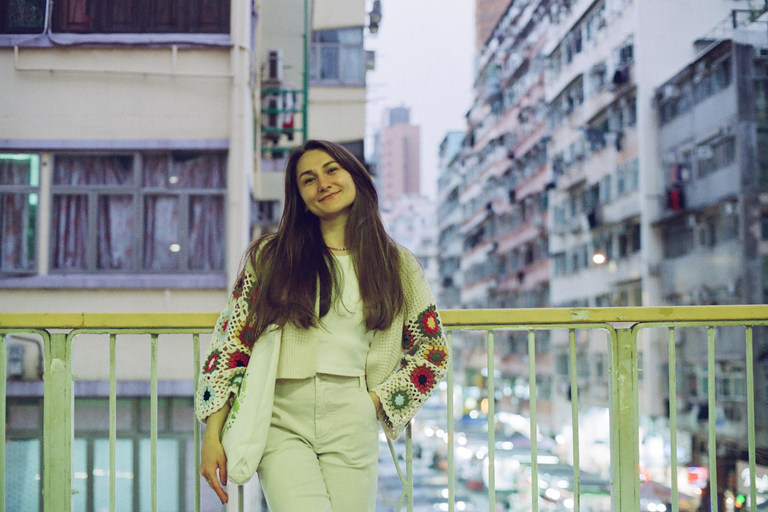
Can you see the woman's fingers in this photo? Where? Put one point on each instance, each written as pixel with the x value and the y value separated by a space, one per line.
pixel 218 489
pixel 213 467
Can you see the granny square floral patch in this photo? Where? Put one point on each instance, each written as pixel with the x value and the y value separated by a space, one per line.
pixel 246 334
pixel 436 355
pixel 408 339
pixel 428 323
pixel 423 378
pixel 208 395
pixel 400 399
pixel 238 360
pixel 237 379
pixel 211 362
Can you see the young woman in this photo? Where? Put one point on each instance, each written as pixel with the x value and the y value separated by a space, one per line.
pixel 361 340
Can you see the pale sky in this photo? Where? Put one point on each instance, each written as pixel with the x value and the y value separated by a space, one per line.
pixel 424 60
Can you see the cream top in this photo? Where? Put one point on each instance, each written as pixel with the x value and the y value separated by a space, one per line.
pixel 342 341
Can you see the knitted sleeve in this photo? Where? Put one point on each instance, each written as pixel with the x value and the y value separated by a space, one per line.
pixel 424 360
pixel 229 351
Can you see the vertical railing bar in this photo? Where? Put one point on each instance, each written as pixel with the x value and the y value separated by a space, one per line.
pixel 711 417
pixel 534 428
pixel 3 372
pixel 575 421
pixel 673 416
pixel 491 425
pixel 451 442
pixel 240 498
pixel 112 421
pixel 196 373
pixel 153 423
pixel 751 419
pixel 409 463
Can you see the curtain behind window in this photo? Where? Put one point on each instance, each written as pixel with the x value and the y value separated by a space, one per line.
pixel 17 217
pixel 84 177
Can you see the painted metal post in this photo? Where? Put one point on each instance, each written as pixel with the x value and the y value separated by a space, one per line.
pixel 491 425
pixel 534 426
pixel 58 411
pixel 3 362
pixel 451 430
pixel 625 491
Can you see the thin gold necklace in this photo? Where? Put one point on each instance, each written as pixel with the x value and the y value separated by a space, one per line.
pixel 337 248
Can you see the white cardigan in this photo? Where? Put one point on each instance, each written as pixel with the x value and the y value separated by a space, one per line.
pixel 404 364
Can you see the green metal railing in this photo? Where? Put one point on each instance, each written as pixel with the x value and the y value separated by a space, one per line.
pixel 622 325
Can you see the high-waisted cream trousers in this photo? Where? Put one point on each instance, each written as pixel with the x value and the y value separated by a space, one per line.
pixel 322 447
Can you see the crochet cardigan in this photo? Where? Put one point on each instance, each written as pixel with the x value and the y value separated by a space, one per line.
pixel 403 366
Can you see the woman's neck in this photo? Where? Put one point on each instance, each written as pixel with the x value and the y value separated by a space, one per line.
pixel 334 233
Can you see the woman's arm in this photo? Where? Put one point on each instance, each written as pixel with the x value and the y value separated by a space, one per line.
pixel 213 460
pixel 228 354
pixel 424 360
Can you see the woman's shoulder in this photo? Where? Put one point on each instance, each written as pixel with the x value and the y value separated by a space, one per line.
pixel 254 251
pixel 408 261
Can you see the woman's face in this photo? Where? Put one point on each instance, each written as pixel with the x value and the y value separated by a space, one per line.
pixel 327 189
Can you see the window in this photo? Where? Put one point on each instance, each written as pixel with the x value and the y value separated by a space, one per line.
pixel 715 156
pixel 677 239
pixel 22 16
pixel 141 16
pixel 19 181
pixel 153 212
pixel 338 56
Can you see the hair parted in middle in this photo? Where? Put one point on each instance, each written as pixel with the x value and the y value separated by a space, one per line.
pixel 290 264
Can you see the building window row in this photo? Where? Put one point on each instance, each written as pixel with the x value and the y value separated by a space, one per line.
pixel 116 212
pixel 613 243
pixel 586 200
pixel 676 99
pixel 117 16
pixel 706 230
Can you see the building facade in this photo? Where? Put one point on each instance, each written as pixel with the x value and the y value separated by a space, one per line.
pixel 712 147
pixel 564 197
pixel 126 159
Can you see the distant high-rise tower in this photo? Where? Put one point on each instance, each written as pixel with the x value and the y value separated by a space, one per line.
pixel 398 151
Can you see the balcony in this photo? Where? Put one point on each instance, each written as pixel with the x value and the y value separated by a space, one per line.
pixel 534 474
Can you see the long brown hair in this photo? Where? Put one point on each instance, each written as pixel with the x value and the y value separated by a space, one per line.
pixel 291 264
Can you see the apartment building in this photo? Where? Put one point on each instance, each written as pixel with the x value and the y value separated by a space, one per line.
pixel 605 63
pixel 503 194
pixel 126 159
pixel 712 173
pixel 560 191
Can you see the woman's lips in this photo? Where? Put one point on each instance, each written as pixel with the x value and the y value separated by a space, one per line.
pixel 329 196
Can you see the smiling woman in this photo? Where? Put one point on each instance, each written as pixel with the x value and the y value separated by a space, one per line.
pixel 360 339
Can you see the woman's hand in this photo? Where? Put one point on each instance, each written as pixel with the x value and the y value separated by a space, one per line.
pixel 376 401
pixel 213 460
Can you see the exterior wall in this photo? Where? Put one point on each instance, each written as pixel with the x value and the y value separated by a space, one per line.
pixel 115 94
pixel 329 14
pixel 337 113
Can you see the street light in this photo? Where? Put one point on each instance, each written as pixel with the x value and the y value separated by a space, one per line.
pixel 598 258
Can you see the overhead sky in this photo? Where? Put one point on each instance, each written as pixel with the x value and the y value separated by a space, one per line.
pixel 425 61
